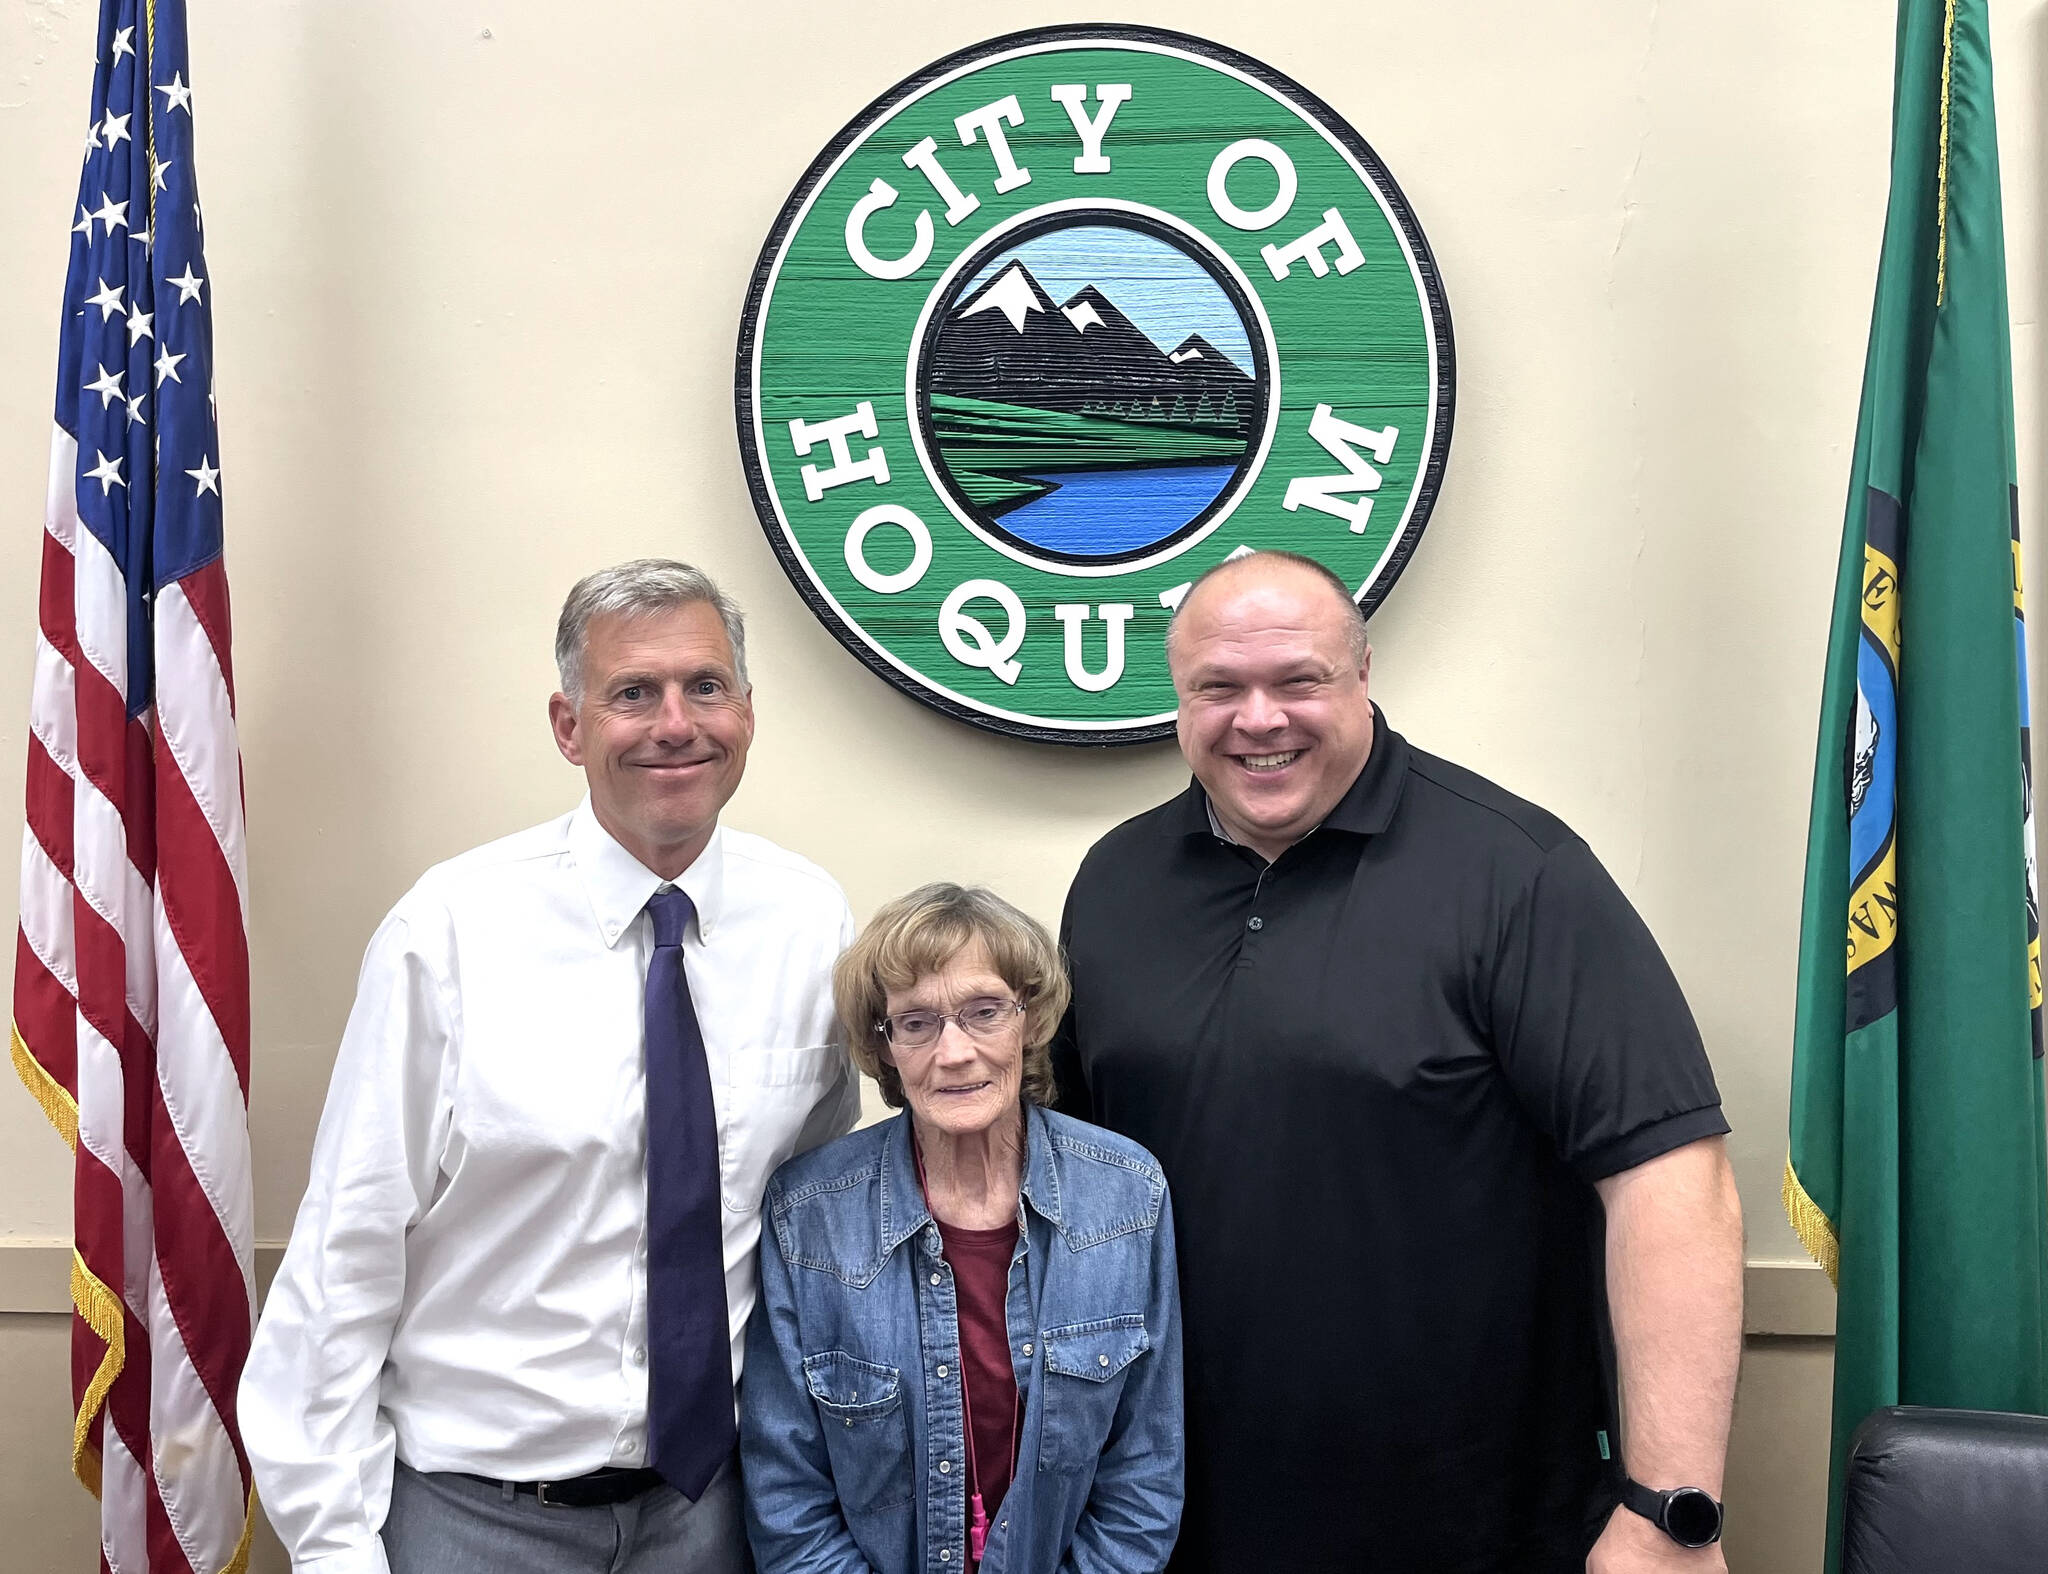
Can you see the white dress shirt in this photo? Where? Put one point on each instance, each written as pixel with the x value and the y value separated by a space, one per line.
pixel 466 1283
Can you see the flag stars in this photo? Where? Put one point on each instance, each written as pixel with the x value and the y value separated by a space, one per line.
pixel 108 300
pixel 115 129
pixel 92 139
pixel 208 478
pixel 108 386
pixel 138 324
pixel 187 285
pixel 124 44
pixel 111 213
pixel 107 472
pixel 158 169
pixel 176 95
pixel 167 366
pixel 135 407
pixel 84 224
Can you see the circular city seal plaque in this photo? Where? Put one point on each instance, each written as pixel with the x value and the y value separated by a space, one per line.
pixel 1056 325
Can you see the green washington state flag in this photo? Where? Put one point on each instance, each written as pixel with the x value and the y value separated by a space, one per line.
pixel 1917 1173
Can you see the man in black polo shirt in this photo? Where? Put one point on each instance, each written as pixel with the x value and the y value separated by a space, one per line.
pixel 1444 1144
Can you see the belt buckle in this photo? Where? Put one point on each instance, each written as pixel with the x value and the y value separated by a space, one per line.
pixel 540 1493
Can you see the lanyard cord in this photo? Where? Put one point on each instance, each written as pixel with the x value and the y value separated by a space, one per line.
pixel 978 1528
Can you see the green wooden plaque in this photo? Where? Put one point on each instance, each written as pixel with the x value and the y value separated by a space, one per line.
pixel 1057 324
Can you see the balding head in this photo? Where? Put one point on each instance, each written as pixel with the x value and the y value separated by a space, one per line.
pixel 1270 661
pixel 1219 580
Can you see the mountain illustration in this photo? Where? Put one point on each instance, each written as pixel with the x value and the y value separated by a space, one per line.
pixel 1010 343
pixel 1066 422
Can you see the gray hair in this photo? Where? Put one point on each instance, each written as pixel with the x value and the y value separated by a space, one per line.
pixel 1355 636
pixel 635 589
pixel 916 936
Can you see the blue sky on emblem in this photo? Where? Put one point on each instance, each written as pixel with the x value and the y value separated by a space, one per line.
pixel 1165 293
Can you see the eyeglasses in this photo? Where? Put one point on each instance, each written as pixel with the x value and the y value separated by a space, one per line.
pixel 982 1017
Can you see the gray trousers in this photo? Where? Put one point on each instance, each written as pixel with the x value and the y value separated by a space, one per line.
pixel 449 1524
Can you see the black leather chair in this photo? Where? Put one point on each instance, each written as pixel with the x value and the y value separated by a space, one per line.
pixel 1947 1492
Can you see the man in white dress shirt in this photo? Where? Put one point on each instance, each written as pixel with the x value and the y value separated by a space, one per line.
pixel 452 1370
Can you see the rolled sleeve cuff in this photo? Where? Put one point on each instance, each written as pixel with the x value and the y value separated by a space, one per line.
pixel 1649 1142
pixel 368 1558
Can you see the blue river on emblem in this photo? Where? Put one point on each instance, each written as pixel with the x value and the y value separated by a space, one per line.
pixel 1101 513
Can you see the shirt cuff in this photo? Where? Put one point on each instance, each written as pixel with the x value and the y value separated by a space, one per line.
pixel 1650 1142
pixel 365 1559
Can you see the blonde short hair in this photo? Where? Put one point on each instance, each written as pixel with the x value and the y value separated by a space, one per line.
pixel 916 935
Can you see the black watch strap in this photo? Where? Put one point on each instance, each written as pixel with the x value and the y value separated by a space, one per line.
pixel 1688 1515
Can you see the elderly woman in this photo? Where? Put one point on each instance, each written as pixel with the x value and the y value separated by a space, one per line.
pixel 967 1349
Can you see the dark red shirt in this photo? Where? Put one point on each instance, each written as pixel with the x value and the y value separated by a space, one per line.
pixel 981 1284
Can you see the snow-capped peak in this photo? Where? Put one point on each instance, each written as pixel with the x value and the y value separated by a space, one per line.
pixel 1083 315
pixel 1012 295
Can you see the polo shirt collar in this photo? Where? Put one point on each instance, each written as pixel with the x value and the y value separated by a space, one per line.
pixel 1366 809
pixel 619 885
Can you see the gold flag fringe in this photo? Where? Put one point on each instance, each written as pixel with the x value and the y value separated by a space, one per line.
pixel 96 1303
pixel 1815 1229
pixel 101 1309
pixel 45 1089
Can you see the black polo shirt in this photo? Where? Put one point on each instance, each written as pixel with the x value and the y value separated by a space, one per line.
pixel 1382 1074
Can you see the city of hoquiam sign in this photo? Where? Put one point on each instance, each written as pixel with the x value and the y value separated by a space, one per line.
pixel 1056 325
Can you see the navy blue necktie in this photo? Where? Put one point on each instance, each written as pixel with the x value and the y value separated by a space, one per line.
pixel 689 1397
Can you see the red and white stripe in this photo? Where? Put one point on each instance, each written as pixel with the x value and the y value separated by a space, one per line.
pixel 131 1020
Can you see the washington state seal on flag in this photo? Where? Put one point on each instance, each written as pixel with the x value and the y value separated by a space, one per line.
pixel 1060 323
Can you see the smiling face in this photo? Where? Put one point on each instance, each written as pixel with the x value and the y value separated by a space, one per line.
pixel 661 731
pixel 960 1085
pixel 1274 718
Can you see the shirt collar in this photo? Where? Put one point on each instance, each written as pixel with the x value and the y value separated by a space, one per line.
pixel 619 885
pixel 903 1206
pixel 1366 809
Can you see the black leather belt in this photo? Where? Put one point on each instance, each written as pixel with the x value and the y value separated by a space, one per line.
pixel 599 1489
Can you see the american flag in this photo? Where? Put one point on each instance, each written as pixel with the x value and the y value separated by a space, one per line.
pixel 131 983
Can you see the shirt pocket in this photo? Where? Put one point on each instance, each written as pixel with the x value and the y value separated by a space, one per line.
pixel 867 1434
pixel 771 1094
pixel 1085 1367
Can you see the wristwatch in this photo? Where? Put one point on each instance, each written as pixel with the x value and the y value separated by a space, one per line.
pixel 1688 1515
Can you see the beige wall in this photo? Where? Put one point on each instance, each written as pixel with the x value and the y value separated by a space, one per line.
pixel 478 271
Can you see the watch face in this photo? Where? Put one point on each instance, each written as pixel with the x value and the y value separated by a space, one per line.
pixel 1692 1518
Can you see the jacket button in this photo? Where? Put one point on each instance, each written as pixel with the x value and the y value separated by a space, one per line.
pixel 1027 1349
pixel 945 1555
pixel 935 1278
pixel 1256 925
pixel 945 1467
pixel 942 1371
pixel 1102 1360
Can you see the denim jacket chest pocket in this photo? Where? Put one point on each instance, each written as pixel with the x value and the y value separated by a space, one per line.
pixel 867 1433
pixel 1085 1366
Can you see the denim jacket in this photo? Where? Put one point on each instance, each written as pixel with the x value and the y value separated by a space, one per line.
pixel 850 1415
